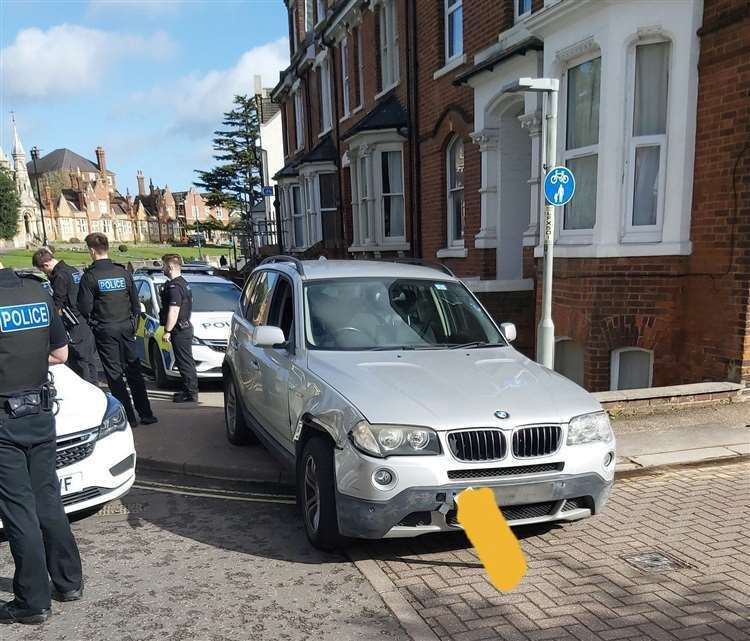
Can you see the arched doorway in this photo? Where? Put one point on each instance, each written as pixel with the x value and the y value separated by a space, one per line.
pixel 513 188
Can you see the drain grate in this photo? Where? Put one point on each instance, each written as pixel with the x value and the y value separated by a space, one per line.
pixel 655 561
pixel 117 508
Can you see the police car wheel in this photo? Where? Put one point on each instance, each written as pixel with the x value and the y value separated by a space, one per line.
pixel 157 366
pixel 238 431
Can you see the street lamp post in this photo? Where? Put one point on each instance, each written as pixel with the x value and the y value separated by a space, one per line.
pixel 34 156
pixel 549 87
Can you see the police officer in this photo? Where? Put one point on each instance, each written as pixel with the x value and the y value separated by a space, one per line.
pixel 32 336
pixel 64 280
pixel 108 300
pixel 174 315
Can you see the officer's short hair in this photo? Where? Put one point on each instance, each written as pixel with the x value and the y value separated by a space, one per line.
pixel 98 242
pixel 173 260
pixel 41 256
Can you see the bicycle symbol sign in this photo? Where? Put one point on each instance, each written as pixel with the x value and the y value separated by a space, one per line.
pixel 559 186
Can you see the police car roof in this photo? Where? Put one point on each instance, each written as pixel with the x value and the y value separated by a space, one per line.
pixel 160 278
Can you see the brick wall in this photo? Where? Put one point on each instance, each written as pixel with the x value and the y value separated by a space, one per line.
pixel 716 313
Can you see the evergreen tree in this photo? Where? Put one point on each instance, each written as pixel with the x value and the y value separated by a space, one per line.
pixel 236 180
pixel 9 205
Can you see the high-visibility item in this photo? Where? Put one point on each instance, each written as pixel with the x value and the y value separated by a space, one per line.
pixel 496 545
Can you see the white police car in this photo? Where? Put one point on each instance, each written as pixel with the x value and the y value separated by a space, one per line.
pixel 214 301
pixel 95 450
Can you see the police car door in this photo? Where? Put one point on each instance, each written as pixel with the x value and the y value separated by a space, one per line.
pixel 147 321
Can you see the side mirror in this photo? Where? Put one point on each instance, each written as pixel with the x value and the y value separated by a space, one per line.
pixel 268 336
pixel 143 308
pixel 509 331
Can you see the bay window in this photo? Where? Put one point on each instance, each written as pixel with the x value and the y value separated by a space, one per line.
pixel 454 29
pixel 455 176
pixel 582 146
pixel 298 217
pixel 364 218
pixel 389 72
pixel 647 139
pixel 328 192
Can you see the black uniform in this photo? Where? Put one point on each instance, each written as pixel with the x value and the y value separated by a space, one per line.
pixel 38 531
pixel 108 300
pixel 81 356
pixel 176 293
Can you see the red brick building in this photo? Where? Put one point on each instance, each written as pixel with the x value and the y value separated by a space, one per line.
pixel 399 139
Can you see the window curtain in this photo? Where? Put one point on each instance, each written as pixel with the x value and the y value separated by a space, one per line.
pixel 634 370
pixel 651 84
pixel 583 104
pixel 393 205
pixel 646 185
pixel 580 213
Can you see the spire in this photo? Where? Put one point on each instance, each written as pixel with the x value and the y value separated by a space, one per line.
pixel 17 146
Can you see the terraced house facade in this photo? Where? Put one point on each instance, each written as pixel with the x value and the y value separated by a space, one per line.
pixel 400 140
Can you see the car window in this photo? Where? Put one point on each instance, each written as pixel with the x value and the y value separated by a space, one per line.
pixel 282 307
pixel 145 296
pixel 247 293
pixel 215 297
pixel 260 298
pixel 390 313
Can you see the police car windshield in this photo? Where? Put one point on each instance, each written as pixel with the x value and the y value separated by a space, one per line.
pixel 214 297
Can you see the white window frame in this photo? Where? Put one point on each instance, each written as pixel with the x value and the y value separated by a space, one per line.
pixel 297 214
pixel 103 207
pixel 82 226
pixel 644 233
pixel 579 236
pixel 389 67
pixel 615 365
pixel 360 198
pixel 326 108
pixel 360 71
pixel 449 190
pixel 322 210
pixel 380 195
pixel 449 8
pixel 345 76
pixel 517 17
pixel 299 123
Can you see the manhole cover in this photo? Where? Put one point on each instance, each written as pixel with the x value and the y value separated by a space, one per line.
pixel 119 508
pixel 654 561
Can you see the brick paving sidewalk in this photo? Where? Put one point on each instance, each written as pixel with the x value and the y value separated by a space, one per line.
pixel 579 587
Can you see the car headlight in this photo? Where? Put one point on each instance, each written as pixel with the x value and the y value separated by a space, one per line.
pixel 197 341
pixel 590 428
pixel 115 419
pixel 395 440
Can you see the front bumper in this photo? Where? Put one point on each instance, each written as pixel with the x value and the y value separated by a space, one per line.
pixel 421 510
pixel 208 363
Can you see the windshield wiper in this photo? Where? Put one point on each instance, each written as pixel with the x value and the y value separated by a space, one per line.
pixel 402 348
pixel 474 344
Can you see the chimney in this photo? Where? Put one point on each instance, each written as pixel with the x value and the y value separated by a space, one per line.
pixel 141 185
pixel 100 160
pixel 258 85
pixel 73 180
pixel 150 186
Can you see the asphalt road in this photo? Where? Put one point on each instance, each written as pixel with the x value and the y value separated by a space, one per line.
pixel 168 567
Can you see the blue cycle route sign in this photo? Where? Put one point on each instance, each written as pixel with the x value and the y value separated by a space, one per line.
pixel 268 190
pixel 559 186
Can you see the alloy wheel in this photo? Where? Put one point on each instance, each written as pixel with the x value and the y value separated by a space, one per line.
pixel 312 494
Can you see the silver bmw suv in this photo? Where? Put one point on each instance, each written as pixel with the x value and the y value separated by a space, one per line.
pixel 389 389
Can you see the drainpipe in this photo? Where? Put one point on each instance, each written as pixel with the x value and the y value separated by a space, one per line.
pixel 413 106
pixel 340 240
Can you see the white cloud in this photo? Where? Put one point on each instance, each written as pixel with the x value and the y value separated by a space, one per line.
pixel 196 102
pixel 67 59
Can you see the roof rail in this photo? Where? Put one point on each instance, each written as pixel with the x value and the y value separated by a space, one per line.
pixel 285 259
pixel 423 263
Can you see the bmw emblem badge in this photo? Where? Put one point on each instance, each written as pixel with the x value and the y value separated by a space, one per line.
pixel 502 414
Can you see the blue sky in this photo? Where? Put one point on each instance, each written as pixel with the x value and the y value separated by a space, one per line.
pixel 147 80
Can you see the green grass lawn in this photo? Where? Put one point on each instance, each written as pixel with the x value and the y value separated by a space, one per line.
pixel 22 257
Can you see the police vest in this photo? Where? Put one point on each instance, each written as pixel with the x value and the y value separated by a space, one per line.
pixel 110 284
pixel 186 308
pixel 25 316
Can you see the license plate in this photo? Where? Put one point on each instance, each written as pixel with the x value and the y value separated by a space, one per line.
pixel 71 484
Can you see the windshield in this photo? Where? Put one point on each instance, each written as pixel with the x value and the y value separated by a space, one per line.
pixel 390 313
pixel 213 297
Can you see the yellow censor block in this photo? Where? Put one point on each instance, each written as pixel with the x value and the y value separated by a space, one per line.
pixel 494 541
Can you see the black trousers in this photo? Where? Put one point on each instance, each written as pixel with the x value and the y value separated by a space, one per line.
pixel 116 345
pixel 182 341
pixel 82 353
pixel 35 523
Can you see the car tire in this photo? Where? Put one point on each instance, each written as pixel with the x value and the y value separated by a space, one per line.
pixel 316 494
pixel 237 429
pixel 157 366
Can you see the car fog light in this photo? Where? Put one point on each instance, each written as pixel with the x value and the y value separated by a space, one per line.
pixel 383 477
pixel 609 458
